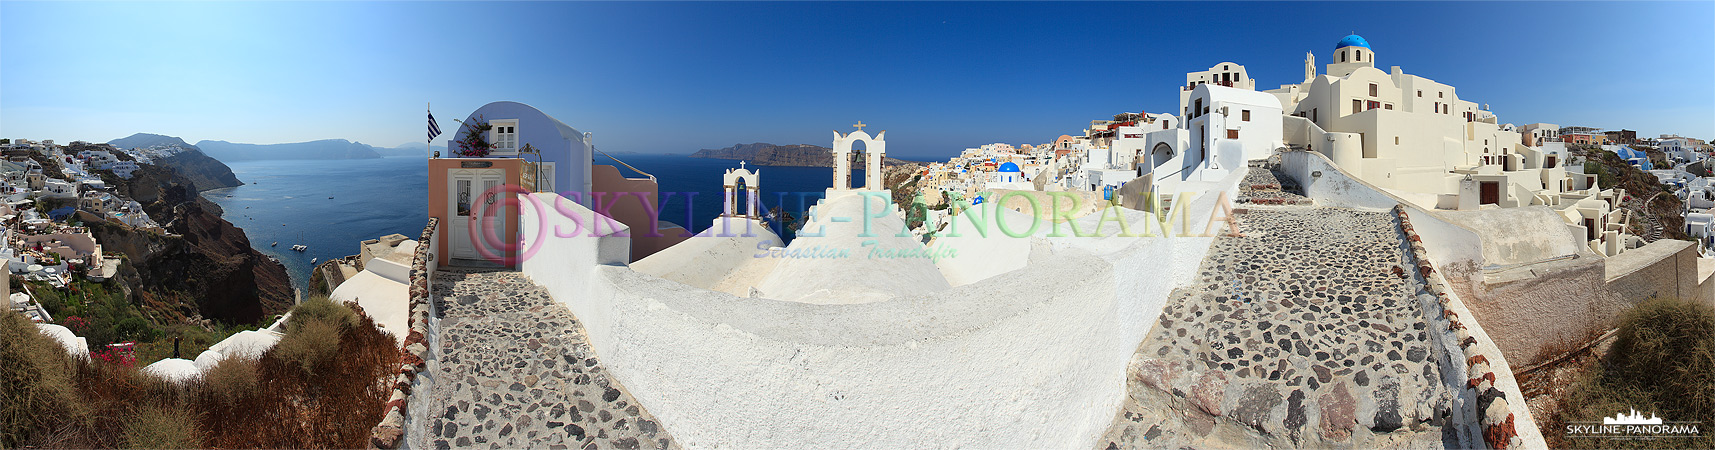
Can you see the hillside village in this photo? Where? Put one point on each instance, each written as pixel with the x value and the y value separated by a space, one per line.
pixel 1357 259
pixel 79 220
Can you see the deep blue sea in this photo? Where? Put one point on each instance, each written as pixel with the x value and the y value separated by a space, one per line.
pixel 289 201
pixel 793 189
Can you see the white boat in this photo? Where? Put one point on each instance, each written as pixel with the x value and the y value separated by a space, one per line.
pixel 312 260
pixel 300 247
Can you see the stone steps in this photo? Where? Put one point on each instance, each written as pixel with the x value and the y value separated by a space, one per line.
pixel 516 370
pixel 1297 334
pixel 1263 185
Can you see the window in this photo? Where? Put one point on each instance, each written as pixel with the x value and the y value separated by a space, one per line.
pixel 1388 106
pixel 1372 104
pixel 1197 107
pixel 1419 93
pixel 1440 95
pixel 1357 106
pixel 1313 114
pixel 1373 90
pixel 1342 56
pixel 504 136
pixel 1232 134
pixel 1396 140
pixel 1245 115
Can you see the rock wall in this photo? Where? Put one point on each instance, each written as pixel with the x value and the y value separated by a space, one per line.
pixel 414 352
pixel 1500 419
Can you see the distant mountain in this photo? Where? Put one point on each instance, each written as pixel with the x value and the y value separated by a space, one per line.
pixel 410 149
pixel 146 140
pixel 322 149
pixel 764 154
pixel 187 160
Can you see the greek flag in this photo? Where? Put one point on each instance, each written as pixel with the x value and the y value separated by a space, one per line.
pixel 434 130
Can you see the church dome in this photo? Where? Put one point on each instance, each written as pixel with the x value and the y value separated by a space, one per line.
pixel 1008 167
pixel 1352 41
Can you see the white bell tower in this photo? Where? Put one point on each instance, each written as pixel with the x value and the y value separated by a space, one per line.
pixel 875 151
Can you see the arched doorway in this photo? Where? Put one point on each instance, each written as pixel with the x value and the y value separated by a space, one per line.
pixel 1160 154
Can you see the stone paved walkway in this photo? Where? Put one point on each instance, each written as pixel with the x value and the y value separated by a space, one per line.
pixel 516 371
pixel 1299 334
pixel 1263 185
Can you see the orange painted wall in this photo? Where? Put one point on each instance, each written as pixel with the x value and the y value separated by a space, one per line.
pixel 630 210
pixel 438 178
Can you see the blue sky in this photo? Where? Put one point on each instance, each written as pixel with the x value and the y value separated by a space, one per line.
pixel 676 77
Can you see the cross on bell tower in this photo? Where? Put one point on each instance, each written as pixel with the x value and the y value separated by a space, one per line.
pixel 859 125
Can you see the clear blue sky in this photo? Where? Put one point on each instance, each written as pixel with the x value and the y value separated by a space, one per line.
pixel 676 77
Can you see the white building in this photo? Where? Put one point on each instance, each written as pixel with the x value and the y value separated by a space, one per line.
pixel 1226 127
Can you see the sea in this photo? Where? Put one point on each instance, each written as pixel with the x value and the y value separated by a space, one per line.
pixel 331 205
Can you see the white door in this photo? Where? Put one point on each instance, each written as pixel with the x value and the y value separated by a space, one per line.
pixel 468 198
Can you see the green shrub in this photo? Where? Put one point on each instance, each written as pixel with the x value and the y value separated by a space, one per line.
pixel 232 379
pixel 157 427
pixel 135 328
pixel 309 345
pixel 36 386
pixel 313 333
pixel 320 309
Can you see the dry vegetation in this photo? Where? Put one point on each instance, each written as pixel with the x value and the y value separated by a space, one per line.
pixel 323 386
pixel 1661 361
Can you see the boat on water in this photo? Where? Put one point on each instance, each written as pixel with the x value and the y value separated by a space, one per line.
pixel 312 260
pixel 275 244
pixel 300 247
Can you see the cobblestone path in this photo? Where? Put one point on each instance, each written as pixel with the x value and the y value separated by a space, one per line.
pixel 516 371
pixel 1299 334
pixel 1263 185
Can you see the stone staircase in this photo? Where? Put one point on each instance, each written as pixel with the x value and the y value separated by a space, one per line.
pixel 1265 185
pixel 1305 332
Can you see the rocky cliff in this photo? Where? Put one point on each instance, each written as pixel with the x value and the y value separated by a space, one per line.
pixel 203 266
pixel 764 154
pixel 203 171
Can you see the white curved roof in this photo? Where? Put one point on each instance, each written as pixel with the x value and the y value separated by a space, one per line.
pixel 75 345
pixel 174 370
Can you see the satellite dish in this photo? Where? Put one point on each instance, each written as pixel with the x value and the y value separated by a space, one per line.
pixel 34 267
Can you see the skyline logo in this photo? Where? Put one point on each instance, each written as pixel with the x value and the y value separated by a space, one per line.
pixel 1635 418
pixel 1633 426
